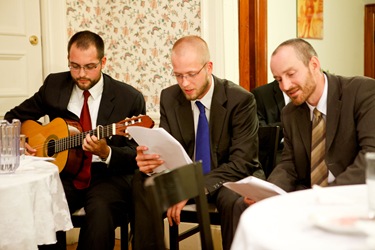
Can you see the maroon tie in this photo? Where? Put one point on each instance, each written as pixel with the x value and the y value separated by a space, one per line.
pixel 82 180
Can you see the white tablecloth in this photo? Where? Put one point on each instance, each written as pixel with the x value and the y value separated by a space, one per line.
pixel 307 220
pixel 32 206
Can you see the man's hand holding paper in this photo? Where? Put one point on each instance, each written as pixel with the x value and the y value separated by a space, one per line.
pixel 147 162
pixel 162 152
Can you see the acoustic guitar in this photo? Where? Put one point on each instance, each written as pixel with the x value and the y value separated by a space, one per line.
pixel 62 139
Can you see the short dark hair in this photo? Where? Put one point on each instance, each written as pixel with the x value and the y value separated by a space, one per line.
pixel 84 39
pixel 304 50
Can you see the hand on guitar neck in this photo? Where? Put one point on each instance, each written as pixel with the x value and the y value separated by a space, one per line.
pixel 66 145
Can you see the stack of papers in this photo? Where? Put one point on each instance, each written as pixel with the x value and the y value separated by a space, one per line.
pixel 162 143
pixel 254 188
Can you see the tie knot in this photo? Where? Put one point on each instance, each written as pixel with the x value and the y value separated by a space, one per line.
pixel 86 94
pixel 317 114
pixel 200 107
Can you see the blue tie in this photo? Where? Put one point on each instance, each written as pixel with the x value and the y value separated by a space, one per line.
pixel 202 142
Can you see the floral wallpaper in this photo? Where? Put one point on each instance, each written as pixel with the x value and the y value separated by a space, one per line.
pixel 138 37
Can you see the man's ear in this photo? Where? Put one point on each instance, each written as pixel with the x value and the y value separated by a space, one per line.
pixel 314 63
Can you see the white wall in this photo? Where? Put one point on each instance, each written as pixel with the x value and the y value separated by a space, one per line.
pixel 341 51
pixel 220 31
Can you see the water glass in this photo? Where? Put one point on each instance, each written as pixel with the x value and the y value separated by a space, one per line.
pixel 370 182
pixel 9 146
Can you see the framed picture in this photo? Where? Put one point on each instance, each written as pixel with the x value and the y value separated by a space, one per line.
pixel 310 19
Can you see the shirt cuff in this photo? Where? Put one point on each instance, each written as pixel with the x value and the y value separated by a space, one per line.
pixel 108 159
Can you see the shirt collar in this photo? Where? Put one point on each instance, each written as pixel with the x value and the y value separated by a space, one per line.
pixel 322 104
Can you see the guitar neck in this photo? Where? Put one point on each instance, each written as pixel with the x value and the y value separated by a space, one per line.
pixel 76 140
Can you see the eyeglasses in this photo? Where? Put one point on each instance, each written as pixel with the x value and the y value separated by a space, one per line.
pixel 88 67
pixel 180 77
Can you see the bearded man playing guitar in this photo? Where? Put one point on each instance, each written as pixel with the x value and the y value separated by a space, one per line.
pixel 104 188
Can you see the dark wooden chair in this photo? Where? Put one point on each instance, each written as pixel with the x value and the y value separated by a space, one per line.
pixel 268 144
pixel 169 188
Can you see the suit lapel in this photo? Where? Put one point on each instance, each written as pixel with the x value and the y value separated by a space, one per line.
pixel 64 98
pixel 333 110
pixel 304 126
pixel 106 105
pixel 217 112
pixel 185 122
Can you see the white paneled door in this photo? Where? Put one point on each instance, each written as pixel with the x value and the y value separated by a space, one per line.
pixel 20 52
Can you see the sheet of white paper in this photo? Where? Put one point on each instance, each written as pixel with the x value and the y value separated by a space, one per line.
pixel 254 188
pixel 160 142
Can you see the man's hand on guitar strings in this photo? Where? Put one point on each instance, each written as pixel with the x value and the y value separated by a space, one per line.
pixel 95 146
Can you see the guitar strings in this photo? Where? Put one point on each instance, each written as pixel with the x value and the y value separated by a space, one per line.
pixel 76 140
pixel 72 141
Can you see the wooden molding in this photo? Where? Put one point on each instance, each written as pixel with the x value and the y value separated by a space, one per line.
pixel 252 43
pixel 369 41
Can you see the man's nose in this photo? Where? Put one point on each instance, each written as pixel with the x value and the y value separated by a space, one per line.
pixel 284 84
pixel 184 81
pixel 82 71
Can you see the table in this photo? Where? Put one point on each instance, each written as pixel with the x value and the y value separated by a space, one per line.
pixel 32 205
pixel 308 219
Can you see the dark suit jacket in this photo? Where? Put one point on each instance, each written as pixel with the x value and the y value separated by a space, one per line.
pixel 270 101
pixel 119 101
pixel 233 130
pixel 350 133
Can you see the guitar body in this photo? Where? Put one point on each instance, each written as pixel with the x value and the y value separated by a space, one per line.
pixel 43 137
pixel 62 139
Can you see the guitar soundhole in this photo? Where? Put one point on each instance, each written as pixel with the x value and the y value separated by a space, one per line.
pixel 51 148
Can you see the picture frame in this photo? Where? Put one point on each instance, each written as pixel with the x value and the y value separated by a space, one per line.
pixel 310 19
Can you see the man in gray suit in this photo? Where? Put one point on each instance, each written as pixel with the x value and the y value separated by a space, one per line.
pixel 348 108
pixel 233 123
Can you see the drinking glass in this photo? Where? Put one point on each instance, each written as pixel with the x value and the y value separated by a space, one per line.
pixel 9 146
pixel 370 182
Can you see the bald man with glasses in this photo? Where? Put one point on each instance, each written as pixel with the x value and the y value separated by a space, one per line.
pixel 233 138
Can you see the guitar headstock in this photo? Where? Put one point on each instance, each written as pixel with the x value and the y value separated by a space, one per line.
pixel 141 120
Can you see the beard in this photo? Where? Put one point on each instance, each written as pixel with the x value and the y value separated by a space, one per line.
pixel 199 93
pixel 308 88
pixel 88 83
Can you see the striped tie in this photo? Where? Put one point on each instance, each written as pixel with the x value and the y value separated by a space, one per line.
pixel 319 171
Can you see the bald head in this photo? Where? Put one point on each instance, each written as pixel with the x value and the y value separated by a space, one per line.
pixel 187 45
pixel 303 50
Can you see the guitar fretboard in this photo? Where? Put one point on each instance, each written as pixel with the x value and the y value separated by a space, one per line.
pixel 77 139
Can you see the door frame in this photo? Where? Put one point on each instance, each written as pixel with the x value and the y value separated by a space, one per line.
pixel 252 43
pixel 54 36
pixel 369 49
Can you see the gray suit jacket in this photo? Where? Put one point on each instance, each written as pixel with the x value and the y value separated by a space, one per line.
pixel 350 133
pixel 119 101
pixel 233 130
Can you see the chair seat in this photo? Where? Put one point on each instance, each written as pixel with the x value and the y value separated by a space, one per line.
pixel 188 214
